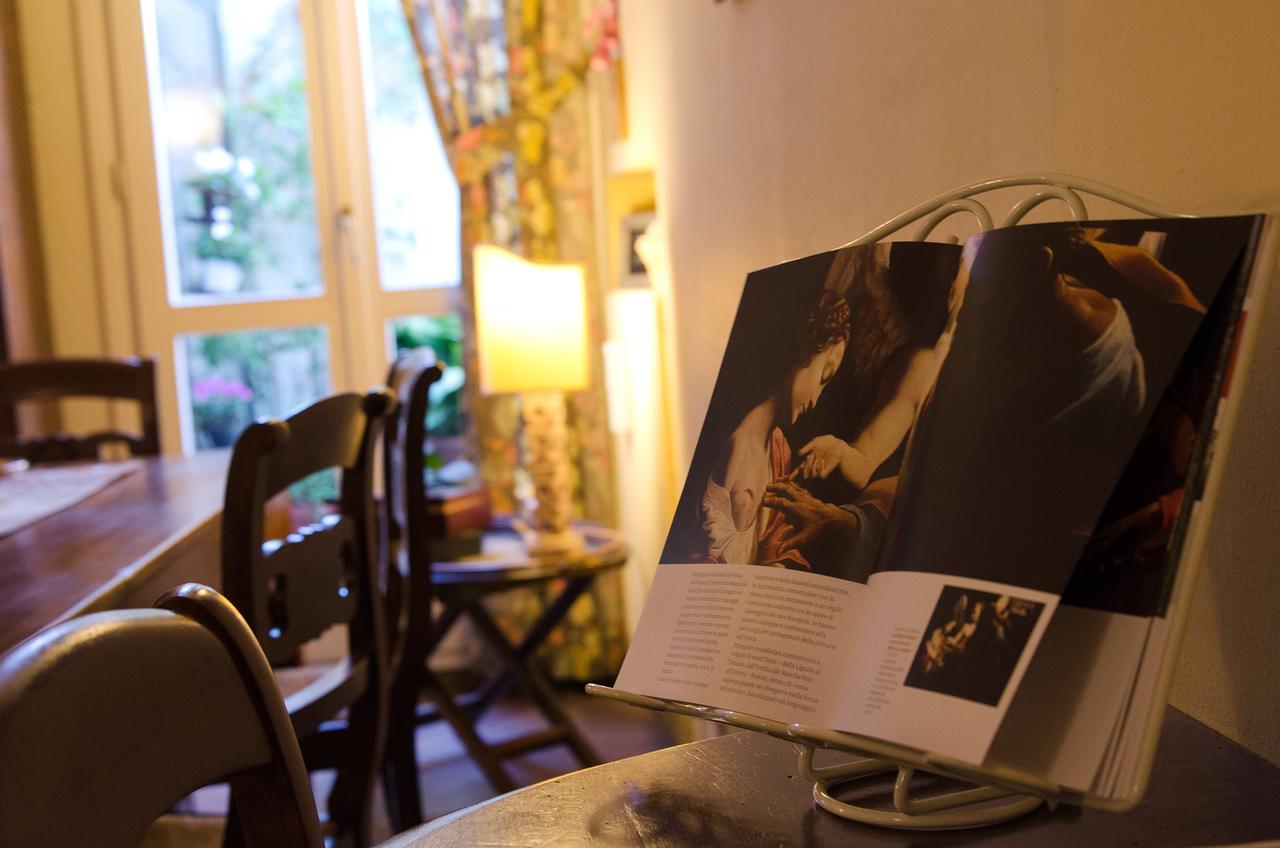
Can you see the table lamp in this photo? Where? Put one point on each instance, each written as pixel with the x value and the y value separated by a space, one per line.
pixel 531 339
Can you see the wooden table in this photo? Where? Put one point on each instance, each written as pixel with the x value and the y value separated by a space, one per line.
pixel 743 790
pixel 123 546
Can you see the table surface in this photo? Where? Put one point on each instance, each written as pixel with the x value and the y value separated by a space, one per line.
pixel 504 559
pixel 111 549
pixel 157 527
pixel 743 790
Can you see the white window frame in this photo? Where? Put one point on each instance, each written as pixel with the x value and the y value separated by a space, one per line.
pixel 123 169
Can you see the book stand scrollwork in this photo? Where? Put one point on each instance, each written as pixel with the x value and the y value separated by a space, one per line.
pixel 997 796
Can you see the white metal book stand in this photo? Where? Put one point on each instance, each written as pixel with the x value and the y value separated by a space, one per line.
pixel 992 800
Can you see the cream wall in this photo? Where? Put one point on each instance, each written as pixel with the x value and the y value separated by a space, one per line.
pixel 78 214
pixel 778 129
pixel 58 142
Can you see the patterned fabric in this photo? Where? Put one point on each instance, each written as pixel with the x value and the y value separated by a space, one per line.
pixel 777 530
pixel 505 84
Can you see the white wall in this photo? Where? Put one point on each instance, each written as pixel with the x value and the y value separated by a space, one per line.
pixel 779 129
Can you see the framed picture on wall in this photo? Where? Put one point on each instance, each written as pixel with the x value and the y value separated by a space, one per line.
pixel 632 273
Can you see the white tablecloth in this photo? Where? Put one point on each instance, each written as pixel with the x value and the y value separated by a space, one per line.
pixel 40 491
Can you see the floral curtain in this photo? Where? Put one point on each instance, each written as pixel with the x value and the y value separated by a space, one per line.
pixel 505 81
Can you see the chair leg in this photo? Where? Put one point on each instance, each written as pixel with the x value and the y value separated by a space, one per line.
pixel 400 766
pixel 233 832
pixel 351 800
pixel 349 815
pixel 400 778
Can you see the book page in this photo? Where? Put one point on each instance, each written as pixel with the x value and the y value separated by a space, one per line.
pixel 939 660
pixel 1068 722
pixel 1052 456
pixel 1123 762
pixel 792 482
pixel 1067 340
pixel 1129 760
pixel 768 642
pixel 1071 701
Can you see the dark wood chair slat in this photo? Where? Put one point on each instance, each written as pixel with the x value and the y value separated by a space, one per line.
pixel 54 379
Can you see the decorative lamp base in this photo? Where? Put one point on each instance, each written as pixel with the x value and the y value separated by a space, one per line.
pixel 538 543
pixel 547 436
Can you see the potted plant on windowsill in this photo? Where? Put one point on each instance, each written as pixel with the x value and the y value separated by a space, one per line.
pixel 227 197
pixel 221 409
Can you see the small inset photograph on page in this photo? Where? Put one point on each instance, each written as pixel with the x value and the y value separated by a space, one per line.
pixel 972 643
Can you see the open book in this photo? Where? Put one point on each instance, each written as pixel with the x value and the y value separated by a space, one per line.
pixel 944 494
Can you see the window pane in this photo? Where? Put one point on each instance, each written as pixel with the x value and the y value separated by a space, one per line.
pixel 415 195
pixel 235 132
pixel 443 334
pixel 448 457
pixel 313 497
pixel 233 378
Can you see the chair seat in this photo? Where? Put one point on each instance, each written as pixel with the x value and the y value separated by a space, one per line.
pixel 317 692
pixel 294 679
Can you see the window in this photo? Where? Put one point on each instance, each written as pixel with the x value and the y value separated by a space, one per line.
pixel 277 238
pixel 446 422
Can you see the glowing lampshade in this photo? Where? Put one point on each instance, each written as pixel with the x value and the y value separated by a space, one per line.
pixel 531 323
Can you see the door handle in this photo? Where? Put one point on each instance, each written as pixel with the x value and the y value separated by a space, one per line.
pixel 350 247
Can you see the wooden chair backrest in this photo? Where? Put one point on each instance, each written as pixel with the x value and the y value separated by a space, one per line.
pixel 404 448
pixel 404 466
pixel 109 719
pixel 291 590
pixel 54 379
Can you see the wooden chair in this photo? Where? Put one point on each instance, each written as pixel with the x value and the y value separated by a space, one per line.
pixel 291 590
pixel 181 697
pixel 460 589
pixel 53 379
pixel 409 589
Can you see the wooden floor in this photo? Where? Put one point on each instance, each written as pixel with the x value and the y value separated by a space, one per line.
pixel 448 778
